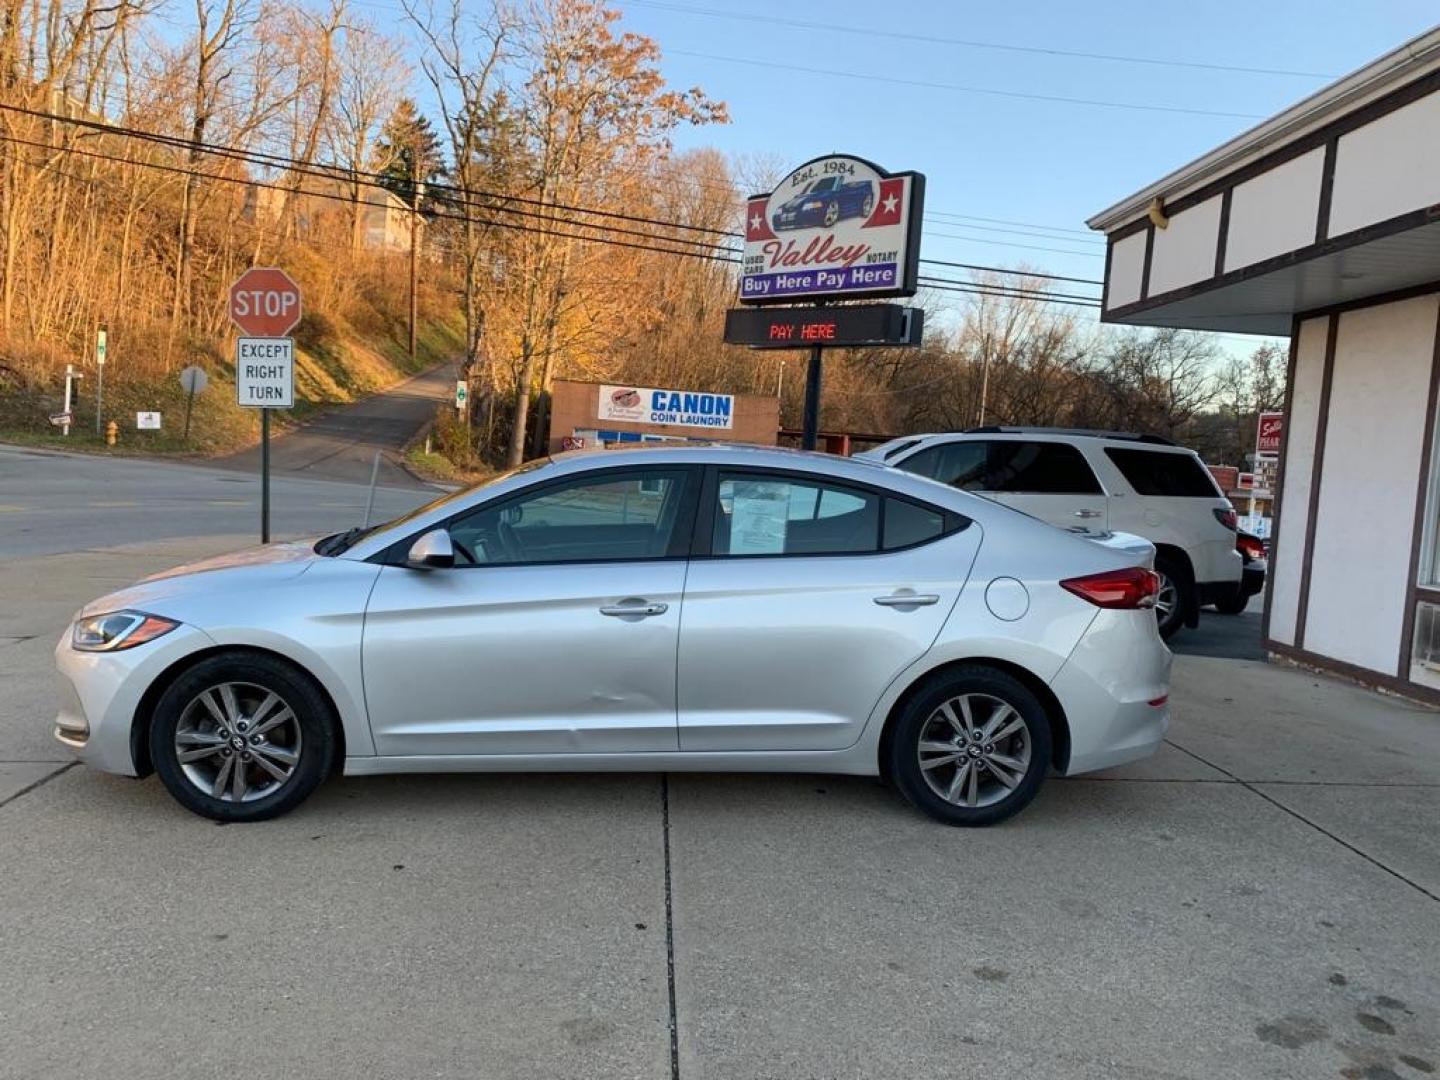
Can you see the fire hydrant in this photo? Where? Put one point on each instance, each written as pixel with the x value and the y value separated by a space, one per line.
pixel 112 432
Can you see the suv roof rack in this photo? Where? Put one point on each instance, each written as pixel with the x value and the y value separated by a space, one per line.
pixel 1130 436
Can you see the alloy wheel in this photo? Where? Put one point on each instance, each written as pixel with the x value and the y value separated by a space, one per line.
pixel 832 213
pixel 974 750
pixel 1166 600
pixel 238 742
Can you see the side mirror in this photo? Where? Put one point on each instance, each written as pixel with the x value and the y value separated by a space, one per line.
pixel 433 551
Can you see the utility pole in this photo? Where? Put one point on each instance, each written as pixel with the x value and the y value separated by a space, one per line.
pixel 984 380
pixel 414 241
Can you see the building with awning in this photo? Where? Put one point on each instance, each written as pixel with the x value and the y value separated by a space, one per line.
pixel 1323 223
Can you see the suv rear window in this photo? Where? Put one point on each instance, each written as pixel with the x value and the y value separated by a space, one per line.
pixel 1040 467
pixel 1157 472
pixel 1047 468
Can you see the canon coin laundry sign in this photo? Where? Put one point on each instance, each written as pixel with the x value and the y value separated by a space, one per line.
pixel 837 227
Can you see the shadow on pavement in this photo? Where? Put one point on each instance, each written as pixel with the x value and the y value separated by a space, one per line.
pixel 1223 637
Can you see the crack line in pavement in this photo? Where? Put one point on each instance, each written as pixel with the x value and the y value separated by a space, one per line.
pixel 669 928
pixel 39 783
pixel 1314 825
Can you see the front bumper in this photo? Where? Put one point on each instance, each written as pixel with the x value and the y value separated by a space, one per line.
pixel 1107 687
pixel 100 695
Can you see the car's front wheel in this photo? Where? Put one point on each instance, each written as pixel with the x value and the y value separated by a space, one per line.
pixel 972 748
pixel 242 737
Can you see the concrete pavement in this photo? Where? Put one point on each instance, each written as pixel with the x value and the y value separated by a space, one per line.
pixel 1258 900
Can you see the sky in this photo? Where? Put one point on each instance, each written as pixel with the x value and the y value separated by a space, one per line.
pixel 900 82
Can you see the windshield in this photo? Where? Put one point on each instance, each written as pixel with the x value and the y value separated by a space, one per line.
pixel 336 543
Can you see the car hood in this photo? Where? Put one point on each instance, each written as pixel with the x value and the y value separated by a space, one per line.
pixel 232 572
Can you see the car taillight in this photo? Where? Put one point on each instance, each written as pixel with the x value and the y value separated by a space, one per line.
pixel 1251 546
pixel 1227 518
pixel 1135 587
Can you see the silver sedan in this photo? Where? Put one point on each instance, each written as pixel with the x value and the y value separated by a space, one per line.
pixel 676 608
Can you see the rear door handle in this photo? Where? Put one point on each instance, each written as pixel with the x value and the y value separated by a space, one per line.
pixel 641 610
pixel 1087 513
pixel 907 600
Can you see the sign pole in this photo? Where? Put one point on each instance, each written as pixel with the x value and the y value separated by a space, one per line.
pixel 811 432
pixel 99 375
pixel 264 476
pixel 69 376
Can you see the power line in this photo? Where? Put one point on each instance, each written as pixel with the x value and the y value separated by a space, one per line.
pixel 340 172
pixel 1008 292
pixel 1007 296
pixel 831 73
pixel 245 182
pixel 1004 221
pixel 1018 232
pixel 1012 244
pixel 930 39
pixel 1019 273
pixel 1018 290
pixel 333 173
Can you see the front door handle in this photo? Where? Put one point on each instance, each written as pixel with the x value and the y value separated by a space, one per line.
pixel 641 610
pixel 1087 513
pixel 907 600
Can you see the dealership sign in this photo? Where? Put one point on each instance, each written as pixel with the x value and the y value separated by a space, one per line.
pixel 1269 434
pixel 836 227
pixel 684 408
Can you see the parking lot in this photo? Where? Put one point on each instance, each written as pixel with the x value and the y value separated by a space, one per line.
pixel 1261 899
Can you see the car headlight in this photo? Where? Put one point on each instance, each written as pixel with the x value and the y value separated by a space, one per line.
pixel 118 630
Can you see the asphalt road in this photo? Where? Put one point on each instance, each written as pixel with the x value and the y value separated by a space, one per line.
pixel 52 503
pixel 341 444
pixel 1259 900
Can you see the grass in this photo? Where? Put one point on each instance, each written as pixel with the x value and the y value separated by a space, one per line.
pixel 334 366
pixel 431 465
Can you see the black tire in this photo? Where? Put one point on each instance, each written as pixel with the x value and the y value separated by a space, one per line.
pixel 307 735
pixel 1233 606
pixel 924 716
pixel 1177 575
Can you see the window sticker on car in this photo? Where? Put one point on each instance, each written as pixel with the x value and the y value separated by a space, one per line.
pixel 758 512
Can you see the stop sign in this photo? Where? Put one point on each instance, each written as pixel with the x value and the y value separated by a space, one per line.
pixel 265 302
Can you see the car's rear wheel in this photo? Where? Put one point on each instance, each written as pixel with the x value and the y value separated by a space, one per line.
pixel 1174 597
pixel 242 737
pixel 972 748
pixel 867 206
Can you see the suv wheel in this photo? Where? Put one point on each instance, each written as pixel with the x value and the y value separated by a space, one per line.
pixel 1175 598
pixel 972 748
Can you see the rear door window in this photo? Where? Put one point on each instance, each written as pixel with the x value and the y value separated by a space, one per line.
pixel 1040 468
pixel 1160 472
pixel 760 514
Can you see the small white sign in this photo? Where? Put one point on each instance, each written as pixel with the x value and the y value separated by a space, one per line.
pixel 147 421
pixel 265 372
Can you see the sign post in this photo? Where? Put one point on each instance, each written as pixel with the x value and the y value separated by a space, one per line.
pixel 836 228
pixel 192 381
pixel 99 375
pixel 265 304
